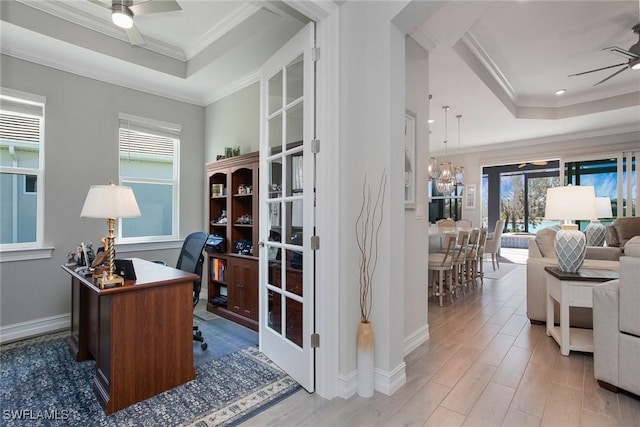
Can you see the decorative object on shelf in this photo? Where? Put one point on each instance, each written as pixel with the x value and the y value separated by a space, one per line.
pixel 595 231
pixel 231 152
pixel 110 202
pixel 368 226
pixel 244 219
pixel 221 220
pixel 409 160
pixel 567 204
pixel 243 246
pixel 217 190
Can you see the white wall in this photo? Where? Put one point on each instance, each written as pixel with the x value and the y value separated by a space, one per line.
pixel 81 148
pixel 416 329
pixel 372 108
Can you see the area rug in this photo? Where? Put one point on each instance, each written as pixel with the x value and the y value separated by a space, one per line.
pixel 43 386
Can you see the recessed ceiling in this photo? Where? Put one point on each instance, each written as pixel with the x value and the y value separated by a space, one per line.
pixel 497 63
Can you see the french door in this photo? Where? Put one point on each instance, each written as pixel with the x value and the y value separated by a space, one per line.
pixel 287 187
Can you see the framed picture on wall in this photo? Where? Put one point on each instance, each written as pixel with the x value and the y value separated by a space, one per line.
pixel 470 196
pixel 409 160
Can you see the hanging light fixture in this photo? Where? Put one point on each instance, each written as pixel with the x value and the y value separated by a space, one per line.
pixel 445 183
pixel 458 171
pixel 432 165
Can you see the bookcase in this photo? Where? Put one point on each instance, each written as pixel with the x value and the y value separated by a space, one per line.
pixel 232 284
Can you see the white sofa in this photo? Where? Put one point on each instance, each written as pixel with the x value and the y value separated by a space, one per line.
pixel 616 325
pixel 541 255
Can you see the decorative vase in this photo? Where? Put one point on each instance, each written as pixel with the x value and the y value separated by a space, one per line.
pixel 365 359
pixel 595 233
pixel 570 246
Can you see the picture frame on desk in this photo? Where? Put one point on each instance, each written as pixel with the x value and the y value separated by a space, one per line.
pixel 409 160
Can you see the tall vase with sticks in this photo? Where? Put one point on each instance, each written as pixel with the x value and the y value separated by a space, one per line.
pixel 367 231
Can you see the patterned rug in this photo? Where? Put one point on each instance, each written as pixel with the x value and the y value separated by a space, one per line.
pixel 43 386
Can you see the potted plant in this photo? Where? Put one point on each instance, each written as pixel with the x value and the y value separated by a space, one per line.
pixel 368 226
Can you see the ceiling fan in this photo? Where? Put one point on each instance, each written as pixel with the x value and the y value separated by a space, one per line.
pixel 632 55
pixel 538 163
pixel 123 11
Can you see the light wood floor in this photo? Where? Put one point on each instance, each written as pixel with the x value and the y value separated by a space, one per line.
pixel 484 365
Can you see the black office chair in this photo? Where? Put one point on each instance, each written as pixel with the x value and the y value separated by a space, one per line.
pixel 191 260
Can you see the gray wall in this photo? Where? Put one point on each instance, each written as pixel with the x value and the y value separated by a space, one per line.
pixel 233 121
pixel 81 148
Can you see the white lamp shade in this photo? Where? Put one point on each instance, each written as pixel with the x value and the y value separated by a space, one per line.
pixel 603 207
pixel 573 202
pixel 110 201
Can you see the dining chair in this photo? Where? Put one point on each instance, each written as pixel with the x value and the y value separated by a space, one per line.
pixel 494 242
pixel 479 270
pixel 440 266
pixel 446 223
pixel 471 258
pixel 464 223
pixel 459 260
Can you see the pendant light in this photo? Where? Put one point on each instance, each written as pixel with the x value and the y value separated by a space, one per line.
pixel 459 170
pixel 445 183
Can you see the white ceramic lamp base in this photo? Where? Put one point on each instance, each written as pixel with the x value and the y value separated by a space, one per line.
pixel 595 232
pixel 571 247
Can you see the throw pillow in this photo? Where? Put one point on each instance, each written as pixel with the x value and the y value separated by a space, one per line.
pixel 545 241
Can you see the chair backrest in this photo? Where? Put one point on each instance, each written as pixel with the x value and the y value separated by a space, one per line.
pixel 446 223
pixel 450 244
pixel 482 240
pixel 191 259
pixel 464 223
pixel 474 237
pixel 463 242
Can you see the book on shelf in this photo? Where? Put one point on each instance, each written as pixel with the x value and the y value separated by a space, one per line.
pixel 218 269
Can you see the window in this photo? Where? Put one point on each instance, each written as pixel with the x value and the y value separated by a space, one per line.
pixel 21 169
pixel 149 165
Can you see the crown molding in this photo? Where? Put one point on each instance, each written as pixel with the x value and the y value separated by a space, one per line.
pixel 237 85
pixel 474 45
pixel 234 19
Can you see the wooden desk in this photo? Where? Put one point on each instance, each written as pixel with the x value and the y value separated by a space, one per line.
pixel 140 334
pixel 572 290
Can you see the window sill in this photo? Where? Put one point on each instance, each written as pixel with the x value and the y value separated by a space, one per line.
pixel 25 254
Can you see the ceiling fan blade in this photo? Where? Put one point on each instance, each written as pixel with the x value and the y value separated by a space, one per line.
pixel 612 75
pixel 597 69
pixel 154 6
pixel 622 52
pixel 135 38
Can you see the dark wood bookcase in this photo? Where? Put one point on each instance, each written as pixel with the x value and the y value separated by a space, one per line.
pixel 233 275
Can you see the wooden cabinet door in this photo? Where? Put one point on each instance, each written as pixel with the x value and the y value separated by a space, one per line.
pixel 243 287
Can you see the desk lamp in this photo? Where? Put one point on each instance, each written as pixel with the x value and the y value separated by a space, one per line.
pixel 595 231
pixel 567 204
pixel 110 202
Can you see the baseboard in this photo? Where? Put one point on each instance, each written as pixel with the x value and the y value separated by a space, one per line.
pixel 384 382
pixel 19 331
pixel 416 339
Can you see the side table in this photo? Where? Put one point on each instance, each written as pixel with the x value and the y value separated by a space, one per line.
pixel 572 290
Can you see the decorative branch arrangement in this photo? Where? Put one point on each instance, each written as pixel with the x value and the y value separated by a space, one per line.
pixel 367 230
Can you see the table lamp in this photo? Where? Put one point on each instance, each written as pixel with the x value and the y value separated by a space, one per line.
pixel 110 202
pixel 573 202
pixel 595 231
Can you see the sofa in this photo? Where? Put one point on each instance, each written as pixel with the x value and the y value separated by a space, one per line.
pixel 541 255
pixel 616 325
pixel 621 231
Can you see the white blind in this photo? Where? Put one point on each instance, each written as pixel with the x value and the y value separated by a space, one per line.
pixel 136 142
pixel 18 127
